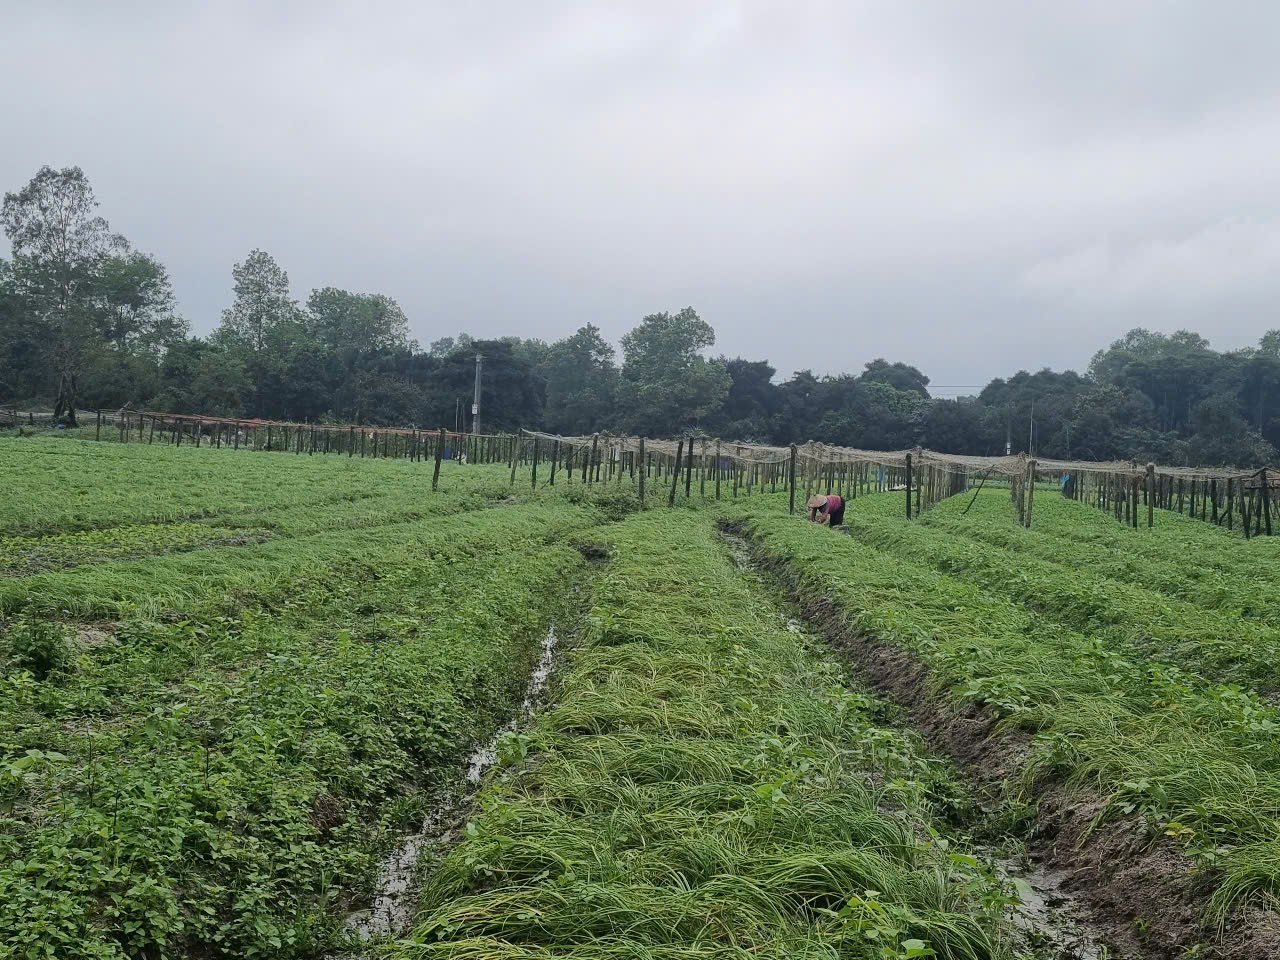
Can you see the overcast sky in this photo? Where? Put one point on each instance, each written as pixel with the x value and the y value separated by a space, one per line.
pixel 970 187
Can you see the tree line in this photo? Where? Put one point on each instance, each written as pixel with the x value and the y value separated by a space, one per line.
pixel 87 321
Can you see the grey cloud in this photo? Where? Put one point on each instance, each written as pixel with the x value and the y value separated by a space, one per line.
pixel 970 187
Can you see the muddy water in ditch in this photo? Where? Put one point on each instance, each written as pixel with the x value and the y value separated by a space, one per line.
pixel 392 908
pixel 1052 923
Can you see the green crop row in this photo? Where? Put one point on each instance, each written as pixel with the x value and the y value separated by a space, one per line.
pixel 1227 575
pixel 153 583
pixel 1174 535
pixel 1199 762
pixel 23 556
pixel 706 786
pixel 219 784
pixel 57 485
pixel 1211 642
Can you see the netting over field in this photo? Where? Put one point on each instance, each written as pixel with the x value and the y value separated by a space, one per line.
pixel 1221 495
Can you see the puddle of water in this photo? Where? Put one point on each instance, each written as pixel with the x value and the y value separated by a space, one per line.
pixel 1049 917
pixel 392 908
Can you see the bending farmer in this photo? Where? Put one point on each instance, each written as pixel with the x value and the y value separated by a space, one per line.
pixel 828 509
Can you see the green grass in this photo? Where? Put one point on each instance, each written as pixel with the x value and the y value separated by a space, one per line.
pixel 705 787
pixel 1227 575
pixel 220 783
pixel 60 485
pixel 1197 761
pixel 1216 643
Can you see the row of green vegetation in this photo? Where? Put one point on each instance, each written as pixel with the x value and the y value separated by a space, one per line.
pixel 1229 576
pixel 23 556
pixel 1198 762
pixel 706 785
pixel 54 486
pixel 220 779
pixel 1219 552
pixel 1214 642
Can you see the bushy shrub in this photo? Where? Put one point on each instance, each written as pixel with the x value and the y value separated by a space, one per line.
pixel 38 646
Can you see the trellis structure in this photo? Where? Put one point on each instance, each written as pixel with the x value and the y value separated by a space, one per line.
pixel 1225 496
pixel 732 469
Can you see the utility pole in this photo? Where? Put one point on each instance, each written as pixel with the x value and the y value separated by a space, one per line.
pixel 475 403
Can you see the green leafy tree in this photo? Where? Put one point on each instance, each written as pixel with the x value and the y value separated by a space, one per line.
pixel 350 323
pixel 262 301
pixel 752 403
pixel 1221 436
pixel 137 311
pixel 512 395
pixel 204 376
pixel 59 248
pixel 900 376
pixel 25 368
pixel 263 315
pixel 955 426
pixel 667 385
pixel 581 383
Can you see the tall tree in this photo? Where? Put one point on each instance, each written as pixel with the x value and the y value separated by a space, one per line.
pixel 352 322
pixel 668 386
pixel 752 403
pixel 137 311
pixel 262 315
pixel 262 301
pixel 59 245
pixel 582 383
pixel 900 376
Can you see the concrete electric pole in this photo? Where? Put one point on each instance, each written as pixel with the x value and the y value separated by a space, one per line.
pixel 475 403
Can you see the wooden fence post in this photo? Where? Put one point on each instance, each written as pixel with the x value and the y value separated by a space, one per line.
pixel 718 470
pixel 1031 490
pixel 791 479
pixel 435 474
pixel 515 454
pixel 1266 500
pixel 1151 494
pixel 642 473
pixel 908 486
pixel 675 474
pixel 688 469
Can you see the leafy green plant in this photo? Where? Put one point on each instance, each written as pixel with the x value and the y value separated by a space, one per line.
pixel 705 784
pixel 1194 759
pixel 38 646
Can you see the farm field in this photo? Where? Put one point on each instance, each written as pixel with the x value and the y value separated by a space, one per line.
pixel 1118 694
pixel 232 684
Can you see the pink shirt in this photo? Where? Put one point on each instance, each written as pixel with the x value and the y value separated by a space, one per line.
pixel 833 504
